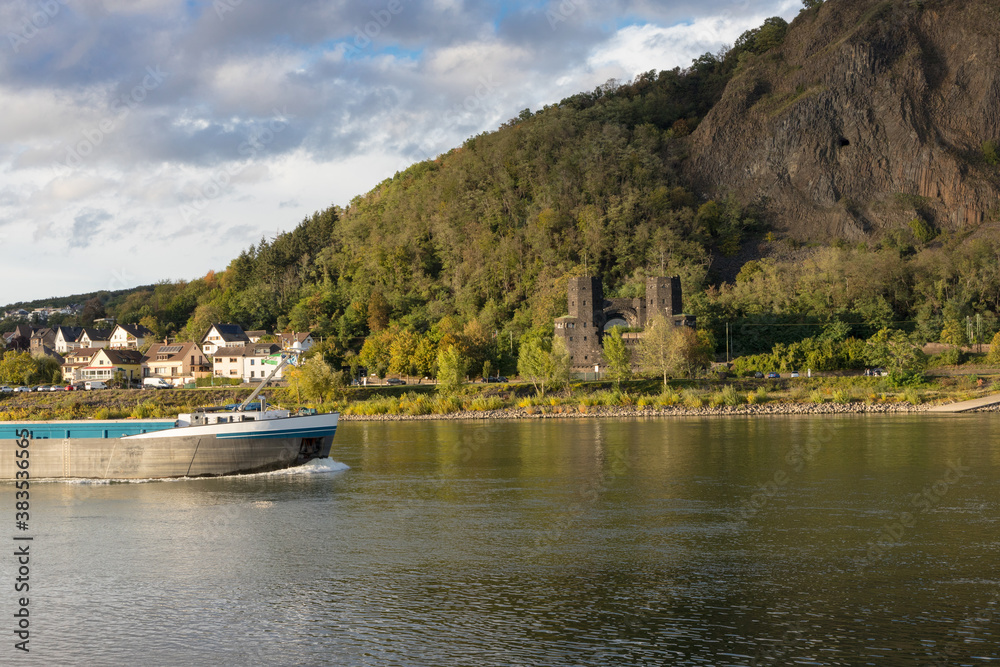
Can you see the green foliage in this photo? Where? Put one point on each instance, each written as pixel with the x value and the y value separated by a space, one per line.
pixel 990 153
pixel 544 362
pixel 314 380
pixel 890 349
pixel 812 4
pixel 618 356
pixel 993 357
pixel 953 333
pixel 452 368
pixel 922 230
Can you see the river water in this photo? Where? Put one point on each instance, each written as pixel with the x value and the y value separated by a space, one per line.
pixel 835 540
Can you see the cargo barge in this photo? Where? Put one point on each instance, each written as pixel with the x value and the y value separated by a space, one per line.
pixel 198 444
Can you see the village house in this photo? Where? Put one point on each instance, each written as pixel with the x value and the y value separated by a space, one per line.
pixel 259 360
pixel 107 364
pixel 76 361
pixel 90 337
pixel 256 335
pixel 223 335
pixel 43 339
pixel 129 336
pixel 288 340
pixel 175 362
pixel 227 362
pixel 65 339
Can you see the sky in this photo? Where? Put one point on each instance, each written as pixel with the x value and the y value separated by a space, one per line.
pixel 150 140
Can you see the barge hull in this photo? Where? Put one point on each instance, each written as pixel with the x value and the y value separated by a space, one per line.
pixel 172 452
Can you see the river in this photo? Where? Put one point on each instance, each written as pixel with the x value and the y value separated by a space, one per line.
pixel 833 540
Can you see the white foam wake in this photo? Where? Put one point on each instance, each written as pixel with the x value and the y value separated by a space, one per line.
pixel 314 467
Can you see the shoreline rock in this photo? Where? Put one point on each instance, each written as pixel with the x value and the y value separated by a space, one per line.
pixel 589 412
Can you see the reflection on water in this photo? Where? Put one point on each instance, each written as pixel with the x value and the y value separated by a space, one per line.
pixel 825 541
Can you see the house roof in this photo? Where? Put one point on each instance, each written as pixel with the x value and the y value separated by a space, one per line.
pixel 257 333
pixel 69 334
pixel 124 357
pixel 136 330
pixel 231 351
pixel 293 337
pixel 174 351
pixel 88 352
pixel 228 332
pixel 261 350
pixel 95 334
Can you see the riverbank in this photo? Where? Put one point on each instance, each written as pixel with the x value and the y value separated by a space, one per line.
pixel 566 412
pixel 637 398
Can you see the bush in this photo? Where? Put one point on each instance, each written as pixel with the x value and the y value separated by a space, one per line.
pixel 816 396
pixel 692 399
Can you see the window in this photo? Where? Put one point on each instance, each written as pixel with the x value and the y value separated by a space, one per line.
pixel 232 360
pixel 251 362
pixel 252 373
pixel 232 371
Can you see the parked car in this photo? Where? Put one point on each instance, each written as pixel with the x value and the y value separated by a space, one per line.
pixel 795 374
pixel 395 381
pixel 69 387
pixel 56 387
pixel 759 375
pixel 6 390
pixel 772 375
pixel 155 383
pixel 95 384
pixel 498 378
pixel 21 390
pixel 41 387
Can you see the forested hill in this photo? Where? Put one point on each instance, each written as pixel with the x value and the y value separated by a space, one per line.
pixel 666 174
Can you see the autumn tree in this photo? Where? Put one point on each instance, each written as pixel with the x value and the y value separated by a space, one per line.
pixel 378 311
pixel 667 349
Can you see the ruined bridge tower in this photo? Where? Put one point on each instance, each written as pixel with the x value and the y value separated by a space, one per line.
pixel 583 328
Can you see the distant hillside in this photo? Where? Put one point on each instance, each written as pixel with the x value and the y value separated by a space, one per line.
pixel 841 170
pixel 869 116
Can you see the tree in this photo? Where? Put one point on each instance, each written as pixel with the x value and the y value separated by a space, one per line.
pixel 667 349
pixel 618 356
pixel 376 353
pixel 892 350
pixel 544 362
pixel 812 4
pixel 92 310
pixel 402 351
pixel 315 379
pixel 993 357
pixel 17 368
pixel 452 367
pixel 953 333
pixel 378 311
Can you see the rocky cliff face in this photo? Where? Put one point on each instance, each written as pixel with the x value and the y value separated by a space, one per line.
pixel 870 114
